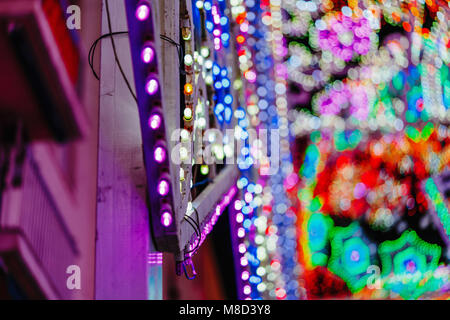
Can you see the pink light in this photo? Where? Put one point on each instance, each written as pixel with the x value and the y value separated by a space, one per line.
pixel 245 275
pixel 152 86
pixel 160 154
pixel 166 219
pixel 147 54
pixel 214 217
pixel 163 187
pixel 280 293
pixel 142 12
pixel 411 266
pixel 214 10
pixel 239 217
pixel 250 76
pixel 154 122
pixel 155 258
pixel 354 256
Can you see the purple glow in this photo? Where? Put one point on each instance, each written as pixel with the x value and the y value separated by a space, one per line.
pixel 152 86
pixel 226 200
pixel 147 54
pixel 332 101
pixel 354 256
pixel 160 154
pixel 411 266
pixel 360 190
pixel 344 35
pixel 166 219
pixel 355 97
pixel 359 102
pixel 154 122
pixel 163 187
pixel 142 12
pixel 155 258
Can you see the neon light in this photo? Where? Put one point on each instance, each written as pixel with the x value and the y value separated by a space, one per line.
pixel 163 187
pixel 142 12
pixel 152 86
pixel 439 205
pixel 147 54
pixel 166 219
pixel 160 154
pixel 350 256
pixel 154 122
pixel 409 256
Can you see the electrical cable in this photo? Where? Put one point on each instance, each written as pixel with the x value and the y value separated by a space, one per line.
pixel 91 53
pixel 179 50
pixel 197 231
pixel 94 47
pixel 115 52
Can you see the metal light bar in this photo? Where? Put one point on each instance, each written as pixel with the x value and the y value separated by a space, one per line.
pixel 144 43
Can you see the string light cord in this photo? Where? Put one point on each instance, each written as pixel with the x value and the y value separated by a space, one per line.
pixel 197 230
pixel 179 50
pixel 94 47
pixel 115 52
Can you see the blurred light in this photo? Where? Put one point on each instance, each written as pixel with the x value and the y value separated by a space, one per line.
pixel 154 122
pixel 142 12
pixel 152 86
pixel 147 54
pixel 163 187
pixel 160 154
pixel 166 219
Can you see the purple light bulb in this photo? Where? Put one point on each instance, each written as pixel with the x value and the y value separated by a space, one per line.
pixel 154 122
pixel 142 12
pixel 147 54
pixel 166 219
pixel 163 187
pixel 160 154
pixel 152 86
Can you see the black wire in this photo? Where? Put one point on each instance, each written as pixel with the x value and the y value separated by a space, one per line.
pixel 199 232
pixel 115 52
pixel 179 50
pixel 91 54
